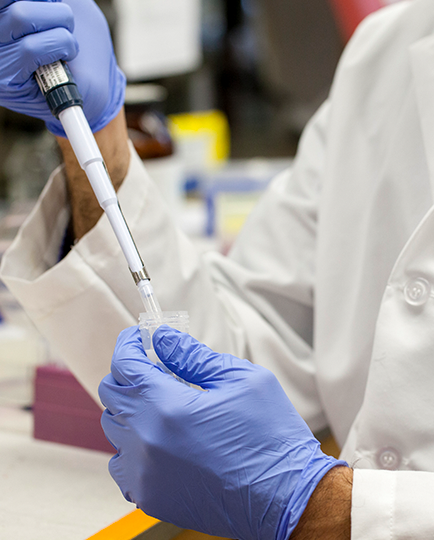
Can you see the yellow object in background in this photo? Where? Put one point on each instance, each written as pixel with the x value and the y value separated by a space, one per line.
pixel 127 528
pixel 139 526
pixel 202 139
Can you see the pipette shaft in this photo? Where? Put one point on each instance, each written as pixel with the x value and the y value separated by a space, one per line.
pixel 65 103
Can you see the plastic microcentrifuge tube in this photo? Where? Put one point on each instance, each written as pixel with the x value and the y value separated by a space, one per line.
pixel 148 323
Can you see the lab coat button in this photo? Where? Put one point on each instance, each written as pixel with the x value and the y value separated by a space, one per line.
pixel 417 291
pixel 389 459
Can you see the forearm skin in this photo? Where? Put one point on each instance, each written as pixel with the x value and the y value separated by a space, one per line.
pixel 328 513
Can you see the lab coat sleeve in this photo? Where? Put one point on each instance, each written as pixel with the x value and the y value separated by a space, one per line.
pixel 392 505
pixel 256 303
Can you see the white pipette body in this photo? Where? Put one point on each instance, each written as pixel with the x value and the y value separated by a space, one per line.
pixel 64 100
pixel 91 161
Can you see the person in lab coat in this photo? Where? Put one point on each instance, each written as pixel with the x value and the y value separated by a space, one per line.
pixel 329 285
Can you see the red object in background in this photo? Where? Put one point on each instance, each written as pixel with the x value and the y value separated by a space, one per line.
pixel 349 13
pixel 65 413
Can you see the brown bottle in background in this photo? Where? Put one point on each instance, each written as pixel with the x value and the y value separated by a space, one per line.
pixel 147 127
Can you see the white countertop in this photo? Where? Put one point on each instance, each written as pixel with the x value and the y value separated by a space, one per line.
pixel 51 491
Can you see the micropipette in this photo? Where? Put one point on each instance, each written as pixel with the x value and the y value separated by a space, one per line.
pixel 64 100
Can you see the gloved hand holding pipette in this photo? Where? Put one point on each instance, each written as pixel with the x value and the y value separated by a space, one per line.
pixel 43 47
pixel 235 461
pixel 35 33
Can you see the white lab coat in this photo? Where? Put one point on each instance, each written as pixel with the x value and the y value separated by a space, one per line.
pixel 330 284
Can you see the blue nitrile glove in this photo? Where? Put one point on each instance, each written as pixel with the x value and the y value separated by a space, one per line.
pixel 236 460
pixel 35 33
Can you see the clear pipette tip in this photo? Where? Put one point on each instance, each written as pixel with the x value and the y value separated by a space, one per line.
pixel 148 297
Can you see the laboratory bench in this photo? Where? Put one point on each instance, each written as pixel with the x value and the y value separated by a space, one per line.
pixel 52 491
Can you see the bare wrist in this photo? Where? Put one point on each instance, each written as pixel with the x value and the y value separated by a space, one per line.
pixel 328 513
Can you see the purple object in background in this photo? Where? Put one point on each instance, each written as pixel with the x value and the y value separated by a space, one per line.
pixel 65 413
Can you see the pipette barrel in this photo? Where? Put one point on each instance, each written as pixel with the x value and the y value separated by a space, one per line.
pixel 89 157
pixel 58 87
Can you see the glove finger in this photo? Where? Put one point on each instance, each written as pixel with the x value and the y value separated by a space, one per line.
pixel 136 384
pixel 110 429
pixel 26 17
pixel 6 3
pixel 124 400
pixel 130 365
pixel 129 339
pixel 193 361
pixel 111 394
pixel 33 52
pixel 115 432
pixel 116 471
pixel 120 399
pixel 131 368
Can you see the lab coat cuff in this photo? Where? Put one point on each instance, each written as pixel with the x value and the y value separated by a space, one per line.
pixel 56 293
pixel 31 267
pixel 392 504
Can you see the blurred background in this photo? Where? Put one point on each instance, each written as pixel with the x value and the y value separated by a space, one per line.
pixel 266 64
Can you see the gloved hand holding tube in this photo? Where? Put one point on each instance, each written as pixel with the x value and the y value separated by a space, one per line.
pixel 235 461
pixel 38 32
